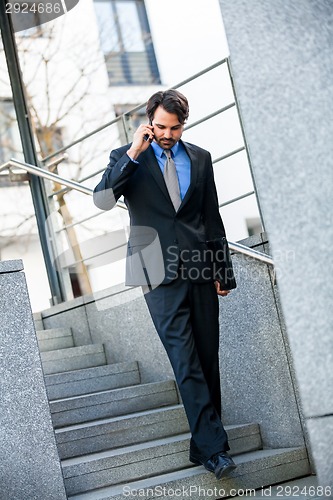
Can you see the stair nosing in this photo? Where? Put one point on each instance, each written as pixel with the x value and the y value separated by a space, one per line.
pixel 118 452
pixel 70 373
pixel 57 331
pixel 252 427
pixel 110 420
pixel 118 389
pixel 94 349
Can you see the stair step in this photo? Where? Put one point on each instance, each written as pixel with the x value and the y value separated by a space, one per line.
pixel 137 461
pixel 89 380
pixel 54 338
pixel 125 464
pixel 139 427
pixel 93 437
pixel 73 358
pixel 255 469
pixel 106 404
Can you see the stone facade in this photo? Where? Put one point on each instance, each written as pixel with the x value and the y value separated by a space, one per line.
pixel 282 59
pixel 29 465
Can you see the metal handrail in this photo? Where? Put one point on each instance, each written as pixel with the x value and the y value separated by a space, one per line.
pixel 40 172
pixel 239 248
pixel 45 174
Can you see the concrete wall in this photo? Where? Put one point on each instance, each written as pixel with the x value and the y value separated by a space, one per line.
pixel 255 363
pixel 282 59
pixel 29 465
pixel 257 384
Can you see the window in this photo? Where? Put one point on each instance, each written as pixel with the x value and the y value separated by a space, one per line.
pixel 126 42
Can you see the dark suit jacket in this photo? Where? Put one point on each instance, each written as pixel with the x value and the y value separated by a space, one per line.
pixel 159 235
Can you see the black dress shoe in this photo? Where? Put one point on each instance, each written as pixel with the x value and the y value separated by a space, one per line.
pixel 221 464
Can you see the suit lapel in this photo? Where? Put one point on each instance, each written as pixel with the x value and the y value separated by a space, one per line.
pixel 194 172
pixel 149 159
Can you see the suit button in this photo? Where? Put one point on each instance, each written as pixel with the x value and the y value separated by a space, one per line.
pixel 175 241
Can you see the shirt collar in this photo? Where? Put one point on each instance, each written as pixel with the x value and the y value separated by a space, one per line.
pixel 159 151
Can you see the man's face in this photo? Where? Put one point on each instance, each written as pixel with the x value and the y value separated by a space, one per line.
pixel 167 128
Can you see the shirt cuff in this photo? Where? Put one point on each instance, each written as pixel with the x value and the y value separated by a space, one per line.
pixel 134 161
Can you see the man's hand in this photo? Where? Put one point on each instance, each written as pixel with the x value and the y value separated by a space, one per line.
pixel 141 140
pixel 223 293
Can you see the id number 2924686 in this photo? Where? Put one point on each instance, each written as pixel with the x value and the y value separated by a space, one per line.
pixel 34 7
pixel 303 491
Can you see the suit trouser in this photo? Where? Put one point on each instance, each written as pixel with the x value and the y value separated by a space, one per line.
pixel 185 315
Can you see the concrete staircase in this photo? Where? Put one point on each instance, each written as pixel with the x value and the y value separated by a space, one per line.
pixel 115 434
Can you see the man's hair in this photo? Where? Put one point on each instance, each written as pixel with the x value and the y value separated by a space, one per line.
pixel 172 101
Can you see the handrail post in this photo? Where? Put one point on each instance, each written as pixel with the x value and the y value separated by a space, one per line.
pixel 23 118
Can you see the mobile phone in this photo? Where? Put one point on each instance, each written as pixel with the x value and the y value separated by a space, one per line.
pixel 146 136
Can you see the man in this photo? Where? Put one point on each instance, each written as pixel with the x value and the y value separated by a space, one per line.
pixel 169 189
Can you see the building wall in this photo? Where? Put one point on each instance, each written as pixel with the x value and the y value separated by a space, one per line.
pixel 30 465
pixel 282 59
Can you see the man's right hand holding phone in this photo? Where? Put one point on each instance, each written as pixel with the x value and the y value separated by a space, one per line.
pixel 142 138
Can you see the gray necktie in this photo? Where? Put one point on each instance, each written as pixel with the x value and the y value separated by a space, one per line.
pixel 171 179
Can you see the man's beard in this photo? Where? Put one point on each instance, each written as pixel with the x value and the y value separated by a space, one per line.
pixel 166 143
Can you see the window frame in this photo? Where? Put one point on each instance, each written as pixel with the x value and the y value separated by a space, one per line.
pixel 128 79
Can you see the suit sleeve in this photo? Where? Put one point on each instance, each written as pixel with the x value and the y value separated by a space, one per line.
pixel 211 214
pixel 114 181
pixel 216 236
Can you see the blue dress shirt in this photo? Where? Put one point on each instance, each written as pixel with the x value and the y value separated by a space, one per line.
pixel 182 162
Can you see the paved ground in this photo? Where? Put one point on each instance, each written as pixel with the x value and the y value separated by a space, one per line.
pixel 304 489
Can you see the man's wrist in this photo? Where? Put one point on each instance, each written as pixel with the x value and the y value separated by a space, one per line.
pixel 133 154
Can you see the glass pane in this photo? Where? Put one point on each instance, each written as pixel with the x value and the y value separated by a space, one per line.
pixel 9 136
pixel 233 177
pixel 129 23
pixel 241 218
pixel 19 237
pixel 107 27
pixel 220 134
